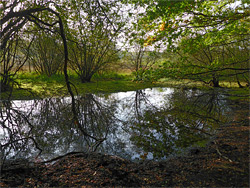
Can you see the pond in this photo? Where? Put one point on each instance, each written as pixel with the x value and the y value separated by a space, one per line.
pixel 153 123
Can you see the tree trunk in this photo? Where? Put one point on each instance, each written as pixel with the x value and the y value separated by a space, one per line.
pixel 214 82
pixel 85 79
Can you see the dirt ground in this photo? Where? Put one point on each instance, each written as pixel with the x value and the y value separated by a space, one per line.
pixel 224 162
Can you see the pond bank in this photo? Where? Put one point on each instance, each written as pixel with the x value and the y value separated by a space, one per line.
pixel 224 162
pixel 34 86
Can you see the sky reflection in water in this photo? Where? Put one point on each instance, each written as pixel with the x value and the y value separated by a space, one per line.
pixel 152 123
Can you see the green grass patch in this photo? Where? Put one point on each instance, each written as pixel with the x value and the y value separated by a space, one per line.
pixel 40 86
pixel 111 76
pixel 183 83
pixel 199 84
pixel 34 85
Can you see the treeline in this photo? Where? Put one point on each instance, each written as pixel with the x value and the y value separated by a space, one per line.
pixel 204 41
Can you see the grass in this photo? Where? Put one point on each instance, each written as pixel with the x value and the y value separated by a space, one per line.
pixel 40 86
pixel 34 85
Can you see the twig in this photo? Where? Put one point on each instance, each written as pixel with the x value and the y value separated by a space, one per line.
pixel 62 156
pixel 218 151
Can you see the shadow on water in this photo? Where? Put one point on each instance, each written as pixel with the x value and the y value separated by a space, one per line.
pixel 146 124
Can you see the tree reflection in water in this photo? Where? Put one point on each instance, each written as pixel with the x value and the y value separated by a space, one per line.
pixel 150 122
pixel 15 138
pixel 187 118
pixel 31 127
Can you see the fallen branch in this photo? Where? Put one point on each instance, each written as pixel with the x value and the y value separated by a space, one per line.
pixel 62 156
pixel 218 151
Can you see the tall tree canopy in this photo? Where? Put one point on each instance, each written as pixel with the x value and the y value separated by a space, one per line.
pixel 17 19
pixel 20 16
pixel 211 37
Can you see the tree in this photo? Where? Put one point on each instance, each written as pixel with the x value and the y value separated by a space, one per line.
pixel 46 54
pixel 139 53
pixel 140 61
pixel 202 28
pixel 209 63
pixel 16 19
pixel 12 57
pixel 93 36
pixel 14 50
pixel 18 14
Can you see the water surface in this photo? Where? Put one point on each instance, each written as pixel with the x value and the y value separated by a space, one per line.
pixel 146 124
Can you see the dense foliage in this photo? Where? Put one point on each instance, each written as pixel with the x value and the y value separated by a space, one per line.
pixel 209 38
pixel 204 41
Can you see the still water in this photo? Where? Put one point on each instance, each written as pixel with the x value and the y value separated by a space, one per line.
pixel 146 124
